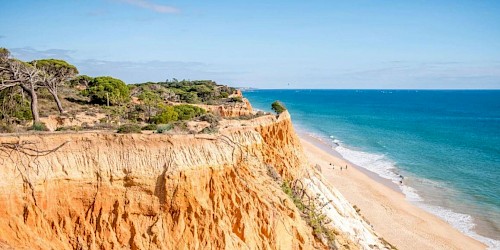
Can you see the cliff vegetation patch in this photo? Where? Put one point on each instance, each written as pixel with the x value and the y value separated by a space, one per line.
pixel 50 95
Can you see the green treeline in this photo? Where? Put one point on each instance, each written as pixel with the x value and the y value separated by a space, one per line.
pixel 31 90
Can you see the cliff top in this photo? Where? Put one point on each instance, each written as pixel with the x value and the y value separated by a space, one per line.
pixel 48 95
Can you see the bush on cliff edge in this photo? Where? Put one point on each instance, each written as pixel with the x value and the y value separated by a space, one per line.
pixel 278 107
pixel 129 128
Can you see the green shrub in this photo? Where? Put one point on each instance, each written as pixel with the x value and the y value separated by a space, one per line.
pixel 236 99
pixel 129 128
pixel 205 91
pixel 39 126
pixel 166 115
pixel 6 128
pixel 150 127
pixel 190 97
pixel 104 88
pixel 278 107
pixel 163 128
pixel 14 105
pixel 187 112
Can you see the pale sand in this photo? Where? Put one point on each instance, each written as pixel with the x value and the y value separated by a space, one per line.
pixel 395 219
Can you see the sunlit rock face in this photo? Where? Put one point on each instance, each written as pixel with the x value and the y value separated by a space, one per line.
pixel 112 191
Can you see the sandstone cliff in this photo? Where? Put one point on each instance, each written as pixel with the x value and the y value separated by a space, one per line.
pixel 112 191
pixel 243 108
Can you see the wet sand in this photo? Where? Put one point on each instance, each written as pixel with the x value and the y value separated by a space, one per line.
pixel 382 204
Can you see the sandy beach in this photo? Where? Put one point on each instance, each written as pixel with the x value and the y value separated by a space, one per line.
pixel 394 218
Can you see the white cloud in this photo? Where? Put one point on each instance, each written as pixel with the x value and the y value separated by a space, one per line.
pixel 160 8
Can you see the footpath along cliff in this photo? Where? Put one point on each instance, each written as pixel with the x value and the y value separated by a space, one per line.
pixel 237 189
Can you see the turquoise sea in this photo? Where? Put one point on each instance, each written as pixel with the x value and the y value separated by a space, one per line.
pixel 446 143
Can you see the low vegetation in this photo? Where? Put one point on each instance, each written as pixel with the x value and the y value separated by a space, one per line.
pixel 152 127
pixel 278 107
pixel 50 90
pixel 311 211
pixel 107 90
pixel 199 91
pixel 162 128
pixel 39 126
pixel 129 128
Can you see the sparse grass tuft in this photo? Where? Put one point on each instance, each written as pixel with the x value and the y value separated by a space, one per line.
pixel 6 128
pixel 39 126
pixel 162 128
pixel 150 127
pixel 69 128
pixel 312 214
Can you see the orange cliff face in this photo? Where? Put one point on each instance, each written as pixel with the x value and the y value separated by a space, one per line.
pixel 243 108
pixel 102 190
pixel 112 191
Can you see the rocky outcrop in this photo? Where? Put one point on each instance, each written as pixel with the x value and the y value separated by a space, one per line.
pixel 236 109
pixel 52 122
pixel 144 191
pixel 110 191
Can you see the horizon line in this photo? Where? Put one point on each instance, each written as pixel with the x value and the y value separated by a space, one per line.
pixel 251 88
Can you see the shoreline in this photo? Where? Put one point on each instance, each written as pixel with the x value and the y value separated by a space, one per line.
pixel 323 146
pixel 384 205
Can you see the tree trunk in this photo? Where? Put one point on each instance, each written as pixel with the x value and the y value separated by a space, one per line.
pixel 34 103
pixel 149 113
pixel 58 102
pixel 34 107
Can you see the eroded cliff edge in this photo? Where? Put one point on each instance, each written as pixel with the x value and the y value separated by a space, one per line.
pixel 112 191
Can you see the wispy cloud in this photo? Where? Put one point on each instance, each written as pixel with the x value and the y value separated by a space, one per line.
pixel 28 53
pixel 129 71
pixel 141 71
pixel 160 8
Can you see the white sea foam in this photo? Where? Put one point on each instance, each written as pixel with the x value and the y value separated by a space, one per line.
pixel 410 193
pixel 376 163
pixel 463 222
pixel 385 168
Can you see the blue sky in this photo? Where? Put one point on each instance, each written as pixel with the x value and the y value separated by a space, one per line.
pixel 266 44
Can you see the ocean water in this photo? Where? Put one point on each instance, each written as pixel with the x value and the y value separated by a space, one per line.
pixel 445 143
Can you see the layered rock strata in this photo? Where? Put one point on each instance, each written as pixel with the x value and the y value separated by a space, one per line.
pixel 91 190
